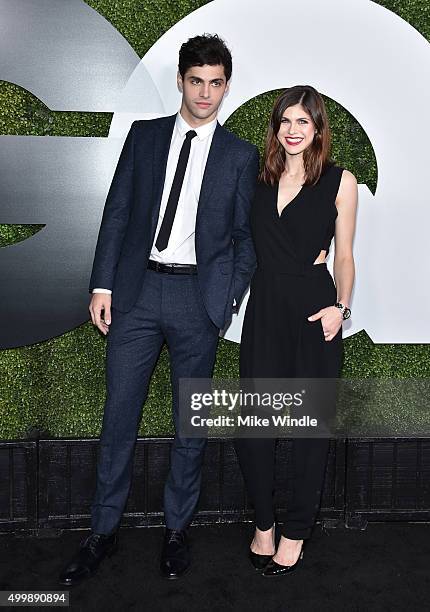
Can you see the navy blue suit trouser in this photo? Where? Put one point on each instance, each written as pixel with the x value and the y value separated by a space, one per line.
pixel 169 308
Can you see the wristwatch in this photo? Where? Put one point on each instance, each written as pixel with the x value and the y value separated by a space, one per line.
pixel 346 312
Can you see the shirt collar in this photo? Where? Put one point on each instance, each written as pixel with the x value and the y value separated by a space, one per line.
pixel 202 131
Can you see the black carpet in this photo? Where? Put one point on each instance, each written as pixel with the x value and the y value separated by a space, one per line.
pixel 385 567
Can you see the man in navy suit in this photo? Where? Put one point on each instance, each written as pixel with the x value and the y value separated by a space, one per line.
pixel 173 259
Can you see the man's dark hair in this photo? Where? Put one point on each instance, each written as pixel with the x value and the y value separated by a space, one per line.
pixel 206 49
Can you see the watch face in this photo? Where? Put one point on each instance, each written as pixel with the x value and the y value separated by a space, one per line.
pixel 346 313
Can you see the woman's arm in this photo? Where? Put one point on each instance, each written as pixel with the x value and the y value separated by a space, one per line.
pixel 346 203
pixel 343 268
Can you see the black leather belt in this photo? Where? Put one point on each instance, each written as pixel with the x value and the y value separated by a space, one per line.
pixel 172 268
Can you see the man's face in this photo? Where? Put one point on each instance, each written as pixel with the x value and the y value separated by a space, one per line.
pixel 203 88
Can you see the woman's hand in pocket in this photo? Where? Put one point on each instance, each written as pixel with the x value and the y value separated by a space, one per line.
pixel 331 321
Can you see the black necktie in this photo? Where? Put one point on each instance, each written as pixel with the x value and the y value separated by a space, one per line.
pixel 172 203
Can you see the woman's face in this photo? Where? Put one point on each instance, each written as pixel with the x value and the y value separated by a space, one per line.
pixel 297 130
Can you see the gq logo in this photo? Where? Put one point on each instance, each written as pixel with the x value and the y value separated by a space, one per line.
pixel 63 182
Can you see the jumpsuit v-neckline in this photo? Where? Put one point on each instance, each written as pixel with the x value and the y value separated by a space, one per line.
pixel 292 201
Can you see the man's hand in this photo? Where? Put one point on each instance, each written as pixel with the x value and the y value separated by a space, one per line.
pixel 99 302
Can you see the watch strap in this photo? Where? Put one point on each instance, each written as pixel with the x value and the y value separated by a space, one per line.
pixel 346 312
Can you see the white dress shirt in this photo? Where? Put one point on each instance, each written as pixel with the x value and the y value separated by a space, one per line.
pixel 181 247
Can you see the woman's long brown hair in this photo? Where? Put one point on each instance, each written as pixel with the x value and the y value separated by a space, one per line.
pixel 317 156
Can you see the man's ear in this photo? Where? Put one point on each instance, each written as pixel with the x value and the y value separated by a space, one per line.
pixel 227 87
pixel 179 81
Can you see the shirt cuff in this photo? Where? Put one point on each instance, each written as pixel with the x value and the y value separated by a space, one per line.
pixel 99 290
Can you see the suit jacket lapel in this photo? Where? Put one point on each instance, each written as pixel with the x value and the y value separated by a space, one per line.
pixel 213 172
pixel 163 136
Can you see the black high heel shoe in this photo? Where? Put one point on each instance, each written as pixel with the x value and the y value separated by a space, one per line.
pixel 276 569
pixel 259 562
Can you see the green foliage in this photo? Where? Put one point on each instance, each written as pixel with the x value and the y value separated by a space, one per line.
pixel 58 386
pixel 416 12
pixel 22 114
pixel 142 22
pixel 11 234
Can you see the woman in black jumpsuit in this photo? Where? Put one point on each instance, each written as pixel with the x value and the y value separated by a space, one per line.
pixel 293 223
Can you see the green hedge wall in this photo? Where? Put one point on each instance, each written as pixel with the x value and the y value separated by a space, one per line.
pixel 58 386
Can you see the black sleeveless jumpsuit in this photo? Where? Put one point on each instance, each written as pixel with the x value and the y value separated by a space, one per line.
pixel 279 342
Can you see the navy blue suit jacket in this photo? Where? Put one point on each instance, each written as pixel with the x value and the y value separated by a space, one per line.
pixel 224 250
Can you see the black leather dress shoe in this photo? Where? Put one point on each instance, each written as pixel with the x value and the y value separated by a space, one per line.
pixel 91 553
pixel 175 556
pixel 276 569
